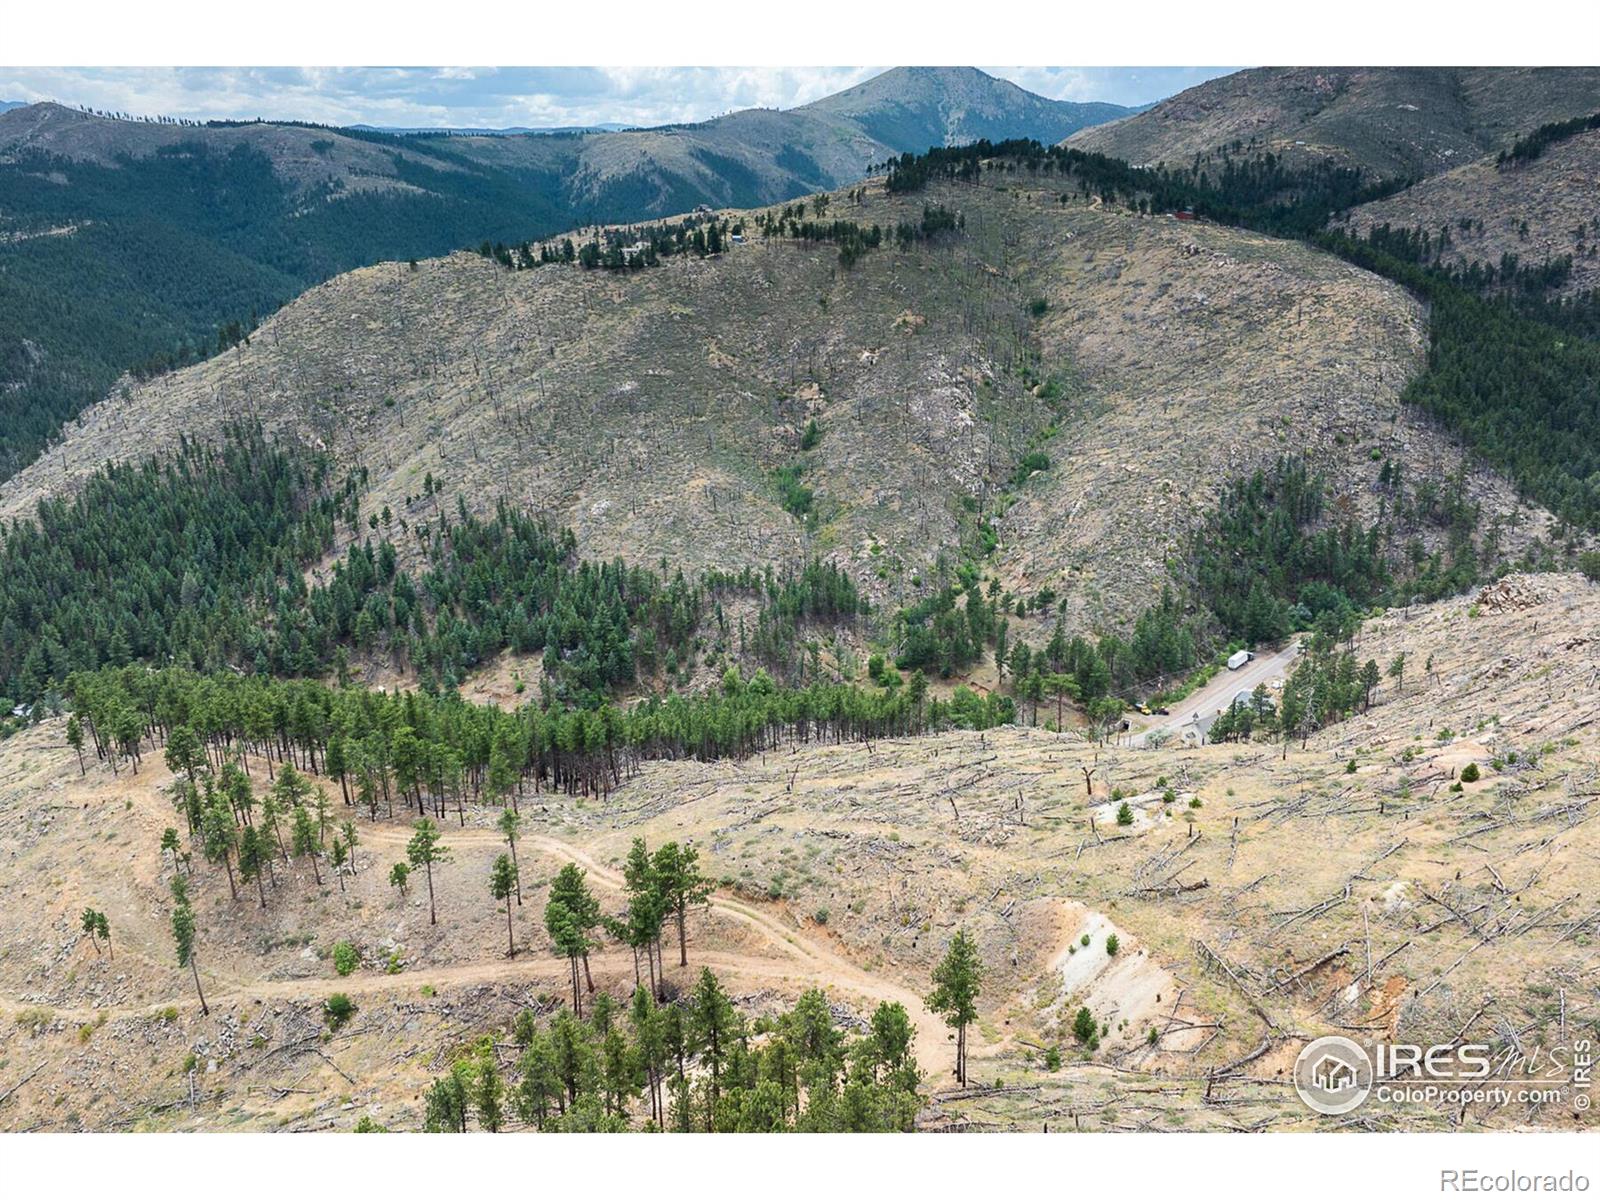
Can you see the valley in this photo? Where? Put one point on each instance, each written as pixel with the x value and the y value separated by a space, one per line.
pixel 740 642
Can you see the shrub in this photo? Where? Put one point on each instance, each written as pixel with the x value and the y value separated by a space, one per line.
pixel 1470 773
pixel 346 958
pixel 821 916
pixel 1033 460
pixel 795 497
pixel 1038 306
pixel 1084 940
pixel 338 1008
pixel 35 1020
pixel 1112 944
pixel 1084 1027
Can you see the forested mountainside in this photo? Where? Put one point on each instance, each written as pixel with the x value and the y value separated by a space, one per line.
pixel 142 245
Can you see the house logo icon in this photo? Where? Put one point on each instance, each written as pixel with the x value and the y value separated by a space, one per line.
pixel 1333 1076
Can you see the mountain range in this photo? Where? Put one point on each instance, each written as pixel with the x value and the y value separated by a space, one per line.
pixel 130 244
pixel 1172 578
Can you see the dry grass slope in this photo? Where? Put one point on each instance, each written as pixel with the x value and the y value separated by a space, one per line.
pixel 1299 898
pixel 1395 122
pixel 650 411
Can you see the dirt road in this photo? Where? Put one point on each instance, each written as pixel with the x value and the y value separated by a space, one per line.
pixel 799 960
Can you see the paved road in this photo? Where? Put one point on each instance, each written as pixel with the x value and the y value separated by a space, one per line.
pixel 1201 708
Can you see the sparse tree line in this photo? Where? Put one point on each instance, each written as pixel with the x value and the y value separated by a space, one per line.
pixel 1525 149
pixel 1428 248
pixel 694 1064
pixel 247 834
pixel 629 249
pixel 402 750
pixel 853 239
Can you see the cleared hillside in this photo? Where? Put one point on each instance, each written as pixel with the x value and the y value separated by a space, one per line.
pixel 140 245
pixel 652 410
pixel 1544 209
pixel 649 410
pixel 1395 122
pixel 1298 897
pixel 1206 353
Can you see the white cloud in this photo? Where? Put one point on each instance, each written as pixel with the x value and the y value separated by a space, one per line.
pixel 510 96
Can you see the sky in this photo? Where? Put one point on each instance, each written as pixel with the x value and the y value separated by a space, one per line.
pixel 502 97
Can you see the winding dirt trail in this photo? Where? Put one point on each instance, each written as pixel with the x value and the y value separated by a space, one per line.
pixel 799 961
pixel 811 960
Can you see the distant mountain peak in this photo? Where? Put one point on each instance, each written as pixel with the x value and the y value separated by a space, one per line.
pixel 912 108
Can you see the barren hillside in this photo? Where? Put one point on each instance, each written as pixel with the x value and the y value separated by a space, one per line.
pixel 652 410
pixel 1395 122
pixel 1206 353
pixel 1540 210
pixel 648 410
